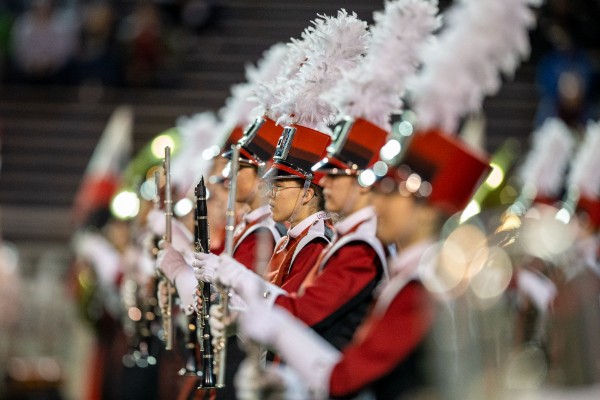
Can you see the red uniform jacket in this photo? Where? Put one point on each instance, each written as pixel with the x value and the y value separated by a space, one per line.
pixel 381 355
pixel 256 232
pixel 335 296
pixel 298 251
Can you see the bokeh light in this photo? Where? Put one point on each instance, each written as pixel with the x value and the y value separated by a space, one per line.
pixel 125 205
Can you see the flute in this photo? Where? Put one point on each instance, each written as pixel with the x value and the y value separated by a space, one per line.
pixel 221 348
pixel 167 311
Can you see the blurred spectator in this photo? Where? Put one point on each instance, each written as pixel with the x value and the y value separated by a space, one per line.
pixel 196 14
pixel 141 35
pixel 567 72
pixel 565 77
pixel 98 54
pixel 43 43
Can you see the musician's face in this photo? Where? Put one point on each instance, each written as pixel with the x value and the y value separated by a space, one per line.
pixel 283 195
pixel 247 184
pixel 339 192
pixel 395 217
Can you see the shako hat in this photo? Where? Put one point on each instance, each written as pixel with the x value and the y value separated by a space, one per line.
pixel 298 149
pixel 234 137
pixel 258 143
pixel 435 166
pixel 356 144
pixel 329 47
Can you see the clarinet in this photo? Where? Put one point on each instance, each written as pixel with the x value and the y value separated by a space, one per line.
pixel 202 241
pixel 167 311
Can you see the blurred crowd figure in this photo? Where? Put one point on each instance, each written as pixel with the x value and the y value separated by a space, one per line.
pixel 568 69
pixel 82 42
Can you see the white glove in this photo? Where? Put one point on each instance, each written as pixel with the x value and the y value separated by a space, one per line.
pixel 204 265
pixel 221 327
pixel 175 268
pixel 298 345
pixel 248 285
pixel 170 261
pixel 181 238
pixel 185 285
pixel 271 382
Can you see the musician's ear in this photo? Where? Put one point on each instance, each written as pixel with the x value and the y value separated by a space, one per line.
pixel 309 195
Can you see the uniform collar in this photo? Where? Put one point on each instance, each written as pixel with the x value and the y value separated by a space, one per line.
pixel 257 214
pixel 356 218
pixel 306 222
pixel 407 260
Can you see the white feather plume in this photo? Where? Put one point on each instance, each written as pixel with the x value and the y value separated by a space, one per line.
pixel 330 46
pixel 585 168
pixel 197 134
pixel 374 89
pixel 546 163
pixel 482 40
pixel 240 107
pixel 268 92
pixel 269 65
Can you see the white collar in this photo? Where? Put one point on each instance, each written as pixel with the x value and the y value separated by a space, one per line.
pixel 306 222
pixel 409 258
pixel 357 217
pixel 255 215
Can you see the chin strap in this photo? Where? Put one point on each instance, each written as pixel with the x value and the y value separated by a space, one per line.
pixel 307 182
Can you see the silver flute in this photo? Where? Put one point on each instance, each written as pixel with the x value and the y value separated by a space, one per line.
pixel 167 311
pixel 221 347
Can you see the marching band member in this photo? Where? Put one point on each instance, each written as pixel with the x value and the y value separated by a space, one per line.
pixel 257 144
pixel 256 233
pixel 573 349
pixel 300 204
pixel 334 297
pixel 325 73
pixel 542 174
pixel 441 178
pixel 411 200
pixel 256 229
pixel 301 145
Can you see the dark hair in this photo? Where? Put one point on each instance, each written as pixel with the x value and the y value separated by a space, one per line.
pixel 318 190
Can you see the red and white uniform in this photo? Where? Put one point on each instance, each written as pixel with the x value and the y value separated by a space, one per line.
pixel 255 232
pixel 381 355
pixel 298 251
pixel 336 295
pixel 252 233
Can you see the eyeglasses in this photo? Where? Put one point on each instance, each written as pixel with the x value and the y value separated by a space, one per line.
pixel 274 189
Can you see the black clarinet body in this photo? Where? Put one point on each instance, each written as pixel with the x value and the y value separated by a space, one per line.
pixel 202 237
